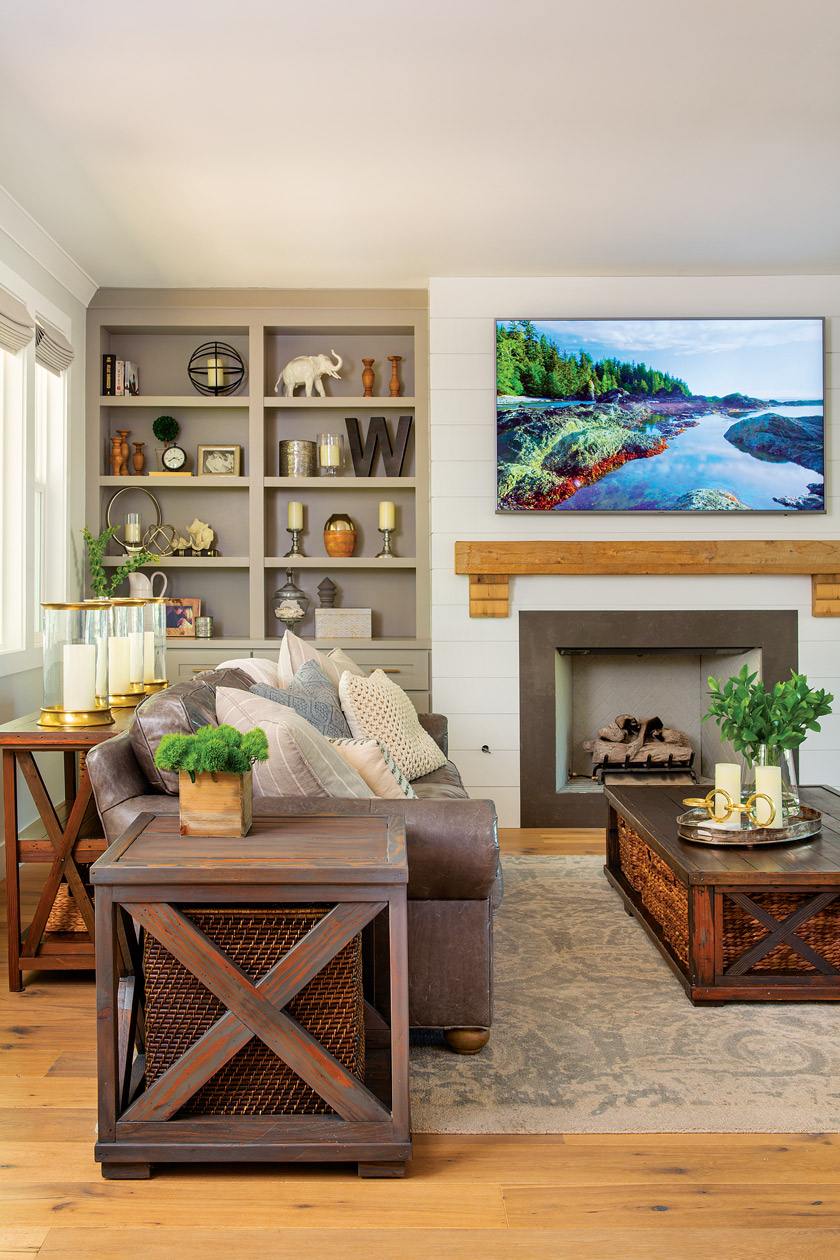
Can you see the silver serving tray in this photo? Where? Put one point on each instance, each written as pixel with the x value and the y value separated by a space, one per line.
pixel 697 827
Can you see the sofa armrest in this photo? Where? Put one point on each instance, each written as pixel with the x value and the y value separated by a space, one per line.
pixel 116 778
pixel 437 726
pixel 453 846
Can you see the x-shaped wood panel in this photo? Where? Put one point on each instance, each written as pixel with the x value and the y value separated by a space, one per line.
pixel 63 841
pixel 256 1010
pixel 781 933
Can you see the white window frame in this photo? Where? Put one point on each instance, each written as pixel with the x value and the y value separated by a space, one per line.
pixel 20 625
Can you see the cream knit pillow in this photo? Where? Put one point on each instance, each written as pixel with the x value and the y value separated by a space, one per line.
pixel 377 708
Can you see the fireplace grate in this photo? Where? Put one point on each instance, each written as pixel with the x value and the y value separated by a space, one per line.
pixel 646 768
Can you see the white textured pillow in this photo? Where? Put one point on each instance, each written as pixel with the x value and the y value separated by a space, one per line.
pixel 377 708
pixel 261 671
pixel 376 766
pixel 294 652
pixel 301 761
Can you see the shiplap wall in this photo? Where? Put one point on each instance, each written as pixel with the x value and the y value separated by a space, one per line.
pixel 475 663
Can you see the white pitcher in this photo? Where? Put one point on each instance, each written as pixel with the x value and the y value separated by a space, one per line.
pixel 141 587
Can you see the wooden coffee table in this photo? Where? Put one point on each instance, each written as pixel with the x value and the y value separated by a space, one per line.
pixel 734 924
pixel 155 878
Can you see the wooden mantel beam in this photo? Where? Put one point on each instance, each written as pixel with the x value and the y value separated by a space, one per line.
pixel 497 561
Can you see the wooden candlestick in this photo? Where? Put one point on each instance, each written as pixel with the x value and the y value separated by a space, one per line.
pixel 138 459
pixel 367 378
pixel 394 359
pixel 125 450
pixel 116 454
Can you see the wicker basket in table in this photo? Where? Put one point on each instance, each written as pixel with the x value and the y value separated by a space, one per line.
pixel 664 896
pixel 741 931
pixel 255 1081
pixel 65 915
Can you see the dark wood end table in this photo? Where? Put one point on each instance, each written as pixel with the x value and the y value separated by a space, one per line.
pixel 78 839
pixel 734 924
pixel 151 874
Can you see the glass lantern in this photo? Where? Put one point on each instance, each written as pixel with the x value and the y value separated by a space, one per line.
pixel 125 653
pixel 76 665
pixel 290 603
pixel 154 645
pixel 331 453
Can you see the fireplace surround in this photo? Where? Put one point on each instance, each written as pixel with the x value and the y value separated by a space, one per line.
pixel 766 636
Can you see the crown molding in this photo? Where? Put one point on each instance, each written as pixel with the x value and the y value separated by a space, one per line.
pixel 19 225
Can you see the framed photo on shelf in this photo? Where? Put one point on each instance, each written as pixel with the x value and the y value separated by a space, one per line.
pixel 181 617
pixel 219 461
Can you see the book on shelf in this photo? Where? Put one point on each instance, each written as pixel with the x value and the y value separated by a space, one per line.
pixel 119 378
pixel 132 379
pixel 109 375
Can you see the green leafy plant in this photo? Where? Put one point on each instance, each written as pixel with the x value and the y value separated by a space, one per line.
pixel 101 585
pixel 212 749
pixel 166 428
pixel 751 716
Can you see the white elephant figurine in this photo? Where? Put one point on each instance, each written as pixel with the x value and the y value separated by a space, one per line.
pixel 307 370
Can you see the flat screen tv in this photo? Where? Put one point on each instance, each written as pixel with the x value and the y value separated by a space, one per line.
pixel 659 415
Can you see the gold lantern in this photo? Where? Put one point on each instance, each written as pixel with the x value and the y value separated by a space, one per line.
pixel 76 664
pixel 125 653
pixel 154 645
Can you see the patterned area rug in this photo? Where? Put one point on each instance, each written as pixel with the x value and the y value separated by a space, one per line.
pixel 593 1033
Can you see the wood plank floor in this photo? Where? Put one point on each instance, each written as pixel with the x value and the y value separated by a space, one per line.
pixel 563 1197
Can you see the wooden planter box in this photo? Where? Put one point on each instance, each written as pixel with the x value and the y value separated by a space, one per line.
pixel 216 804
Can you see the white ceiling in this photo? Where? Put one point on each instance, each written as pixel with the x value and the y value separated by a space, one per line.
pixel 381 143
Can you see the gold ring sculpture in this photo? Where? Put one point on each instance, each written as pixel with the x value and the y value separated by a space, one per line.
pixel 731 807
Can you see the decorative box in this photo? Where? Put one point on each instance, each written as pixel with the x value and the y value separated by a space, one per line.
pixel 343 623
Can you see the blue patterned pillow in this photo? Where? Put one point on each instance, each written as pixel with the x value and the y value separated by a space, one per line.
pixel 314 696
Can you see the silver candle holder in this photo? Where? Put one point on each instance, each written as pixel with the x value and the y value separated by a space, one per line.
pixel 386 553
pixel 294 550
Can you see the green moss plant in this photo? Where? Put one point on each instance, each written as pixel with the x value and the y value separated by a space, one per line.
pixel 101 585
pixel 212 750
pixel 166 429
pixel 751 716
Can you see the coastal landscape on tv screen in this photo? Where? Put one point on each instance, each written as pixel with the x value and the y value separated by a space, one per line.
pixel 660 415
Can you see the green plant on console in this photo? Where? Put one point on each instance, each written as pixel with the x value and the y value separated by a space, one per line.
pixel 752 717
pixel 212 750
pixel 101 585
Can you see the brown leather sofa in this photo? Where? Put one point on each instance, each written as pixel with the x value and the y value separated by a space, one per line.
pixel 454 884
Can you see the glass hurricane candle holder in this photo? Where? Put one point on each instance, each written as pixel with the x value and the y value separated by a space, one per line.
pixel 125 653
pixel 289 603
pixel 155 677
pixel 76 664
pixel 331 453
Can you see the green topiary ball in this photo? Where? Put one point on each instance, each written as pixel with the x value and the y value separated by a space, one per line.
pixel 166 428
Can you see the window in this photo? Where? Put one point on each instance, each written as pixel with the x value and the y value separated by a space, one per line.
pixel 33 493
pixel 47 489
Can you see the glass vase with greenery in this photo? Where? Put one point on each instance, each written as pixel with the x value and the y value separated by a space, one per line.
pixel 766 726
pixel 102 586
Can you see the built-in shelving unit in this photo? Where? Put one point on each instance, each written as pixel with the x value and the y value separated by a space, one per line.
pixel 159 330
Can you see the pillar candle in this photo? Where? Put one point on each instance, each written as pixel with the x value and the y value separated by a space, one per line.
pixel 386 515
pixel 102 670
pixel 295 516
pixel 135 656
pixel 148 656
pixel 215 373
pixel 728 778
pixel 329 455
pixel 79 677
pixel 119 673
pixel 768 779
pixel 132 527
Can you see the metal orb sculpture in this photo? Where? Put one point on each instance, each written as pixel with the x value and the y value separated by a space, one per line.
pixel 216 368
pixel 160 540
